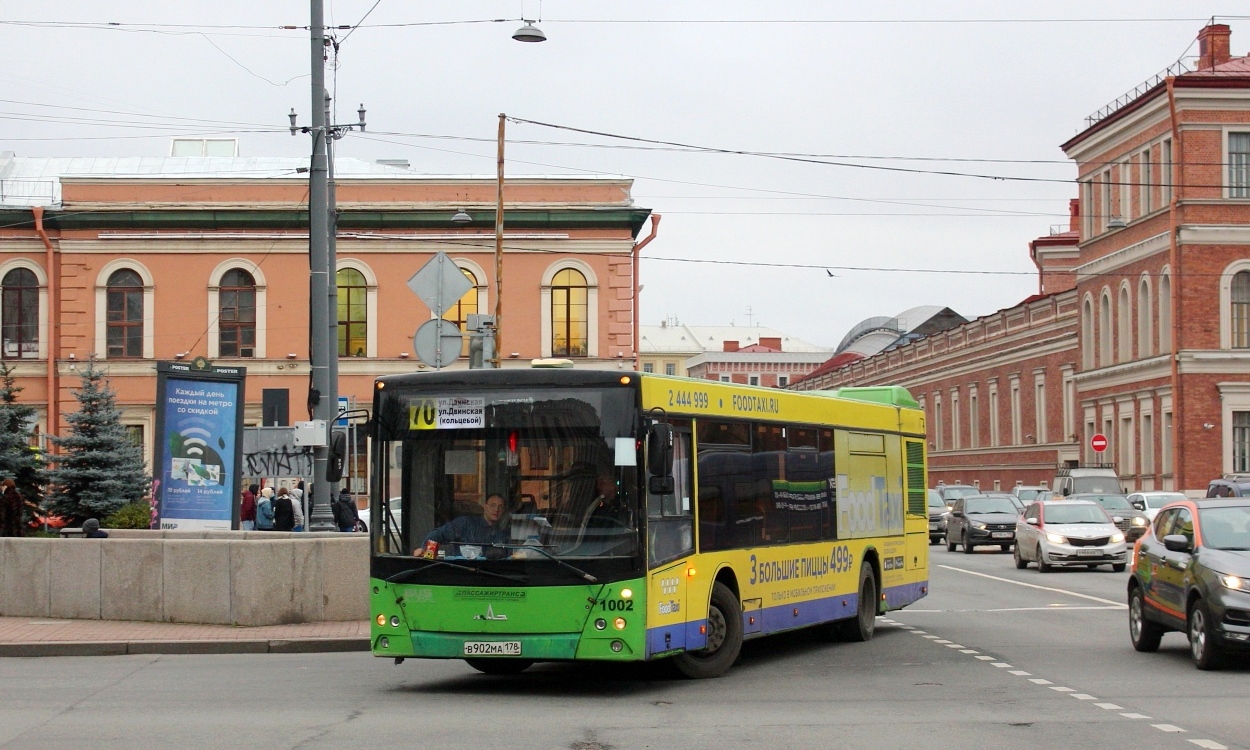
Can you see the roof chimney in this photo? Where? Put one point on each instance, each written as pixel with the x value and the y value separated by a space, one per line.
pixel 731 346
pixel 771 342
pixel 1213 44
pixel 1074 215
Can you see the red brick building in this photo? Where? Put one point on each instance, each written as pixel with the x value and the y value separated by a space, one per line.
pixel 1143 334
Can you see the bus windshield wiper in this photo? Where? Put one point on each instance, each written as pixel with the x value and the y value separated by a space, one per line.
pixel 539 548
pixel 403 574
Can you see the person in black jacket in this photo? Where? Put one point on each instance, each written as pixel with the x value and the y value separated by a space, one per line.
pixel 346 517
pixel 283 511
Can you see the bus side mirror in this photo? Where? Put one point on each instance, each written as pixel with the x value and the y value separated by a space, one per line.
pixel 338 457
pixel 660 460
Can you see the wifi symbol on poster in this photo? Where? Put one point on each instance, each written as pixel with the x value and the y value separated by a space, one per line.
pixel 193 444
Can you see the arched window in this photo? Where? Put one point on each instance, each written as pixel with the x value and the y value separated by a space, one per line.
pixel 1239 310
pixel 20 316
pixel 1104 330
pixel 1087 335
pixel 1124 319
pixel 353 313
pixel 237 314
pixel 1165 313
pixel 1145 322
pixel 125 314
pixel 569 319
pixel 467 305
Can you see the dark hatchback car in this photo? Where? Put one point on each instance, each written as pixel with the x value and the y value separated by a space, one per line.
pixel 1128 519
pixel 1192 573
pixel 981 519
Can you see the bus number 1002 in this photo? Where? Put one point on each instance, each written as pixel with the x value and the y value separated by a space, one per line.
pixel 696 399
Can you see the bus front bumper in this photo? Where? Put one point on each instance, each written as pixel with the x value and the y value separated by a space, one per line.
pixel 538 647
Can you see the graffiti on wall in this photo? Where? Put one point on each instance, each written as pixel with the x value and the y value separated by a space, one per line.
pixel 271 452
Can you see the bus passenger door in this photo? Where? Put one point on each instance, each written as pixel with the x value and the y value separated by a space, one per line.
pixel 670 543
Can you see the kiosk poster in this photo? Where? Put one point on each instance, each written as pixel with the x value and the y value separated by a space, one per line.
pixel 199 419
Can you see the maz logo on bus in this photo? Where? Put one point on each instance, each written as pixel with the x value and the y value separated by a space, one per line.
pixel 840 560
pixel 697 399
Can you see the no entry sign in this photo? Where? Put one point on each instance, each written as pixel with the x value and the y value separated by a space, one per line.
pixel 1098 442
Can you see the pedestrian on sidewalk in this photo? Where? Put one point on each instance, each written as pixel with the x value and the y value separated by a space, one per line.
pixel 346 517
pixel 297 501
pixel 247 509
pixel 91 530
pixel 283 511
pixel 11 506
pixel 264 510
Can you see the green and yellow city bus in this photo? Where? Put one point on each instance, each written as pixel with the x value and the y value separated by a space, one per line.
pixel 559 514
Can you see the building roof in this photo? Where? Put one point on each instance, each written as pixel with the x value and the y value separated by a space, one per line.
pixel 36 181
pixel 690 340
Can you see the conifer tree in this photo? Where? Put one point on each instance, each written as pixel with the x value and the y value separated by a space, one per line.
pixel 18 460
pixel 98 469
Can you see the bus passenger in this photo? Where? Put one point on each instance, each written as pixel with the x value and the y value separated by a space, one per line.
pixel 486 529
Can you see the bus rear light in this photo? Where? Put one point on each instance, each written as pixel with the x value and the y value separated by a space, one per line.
pixel 619 623
pixel 702 630
pixel 381 620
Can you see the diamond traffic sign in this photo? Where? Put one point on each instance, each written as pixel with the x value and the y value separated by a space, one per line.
pixel 440 284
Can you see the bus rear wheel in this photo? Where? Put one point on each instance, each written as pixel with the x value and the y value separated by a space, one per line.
pixel 865 622
pixel 500 666
pixel 724 638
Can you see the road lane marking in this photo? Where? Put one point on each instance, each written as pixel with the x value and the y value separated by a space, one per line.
pixel 1210 744
pixel 1135 716
pixel 1110 706
pixel 1083 697
pixel 1116 605
pixel 954 645
pixel 986 658
pixel 1020 673
pixel 1001 665
pixel 931 637
pixel 918 632
pixel 943 641
pixel 969 651
pixel 1059 689
pixel 1040 681
pixel 1167 727
pixel 1065 608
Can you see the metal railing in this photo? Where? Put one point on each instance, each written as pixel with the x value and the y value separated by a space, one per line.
pixel 1177 68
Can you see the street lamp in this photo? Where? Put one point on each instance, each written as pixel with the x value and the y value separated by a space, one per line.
pixel 461 218
pixel 529 33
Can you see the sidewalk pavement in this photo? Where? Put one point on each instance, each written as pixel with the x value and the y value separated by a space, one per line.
pixel 27 636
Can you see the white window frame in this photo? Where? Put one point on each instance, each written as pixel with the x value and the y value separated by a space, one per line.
pixel 1145 168
pixel 726 379
pixel 371 301
pixel 1226 300
pixel 1167 173
pixel 937 422
pixel 1039 407
pixel 1229 131
pixel 1145 318
pixel 956 442
pixel 101 306
pixel 214 299
pixel 1124 324
pixel 42 279
pixel 1017 434
pixel 783 381
pixel 1089 346
pixel 1125 209
pixel 592 304
pixel 1146 424
pixel 1106 348
pixel 974 418
pixel 994 433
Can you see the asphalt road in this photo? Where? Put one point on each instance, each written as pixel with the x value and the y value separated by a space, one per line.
pixel 998 665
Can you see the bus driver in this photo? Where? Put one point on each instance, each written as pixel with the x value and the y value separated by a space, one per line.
pixel 486 529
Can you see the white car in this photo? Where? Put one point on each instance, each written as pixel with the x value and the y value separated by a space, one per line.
pixel 1069 532
pixel 1151 503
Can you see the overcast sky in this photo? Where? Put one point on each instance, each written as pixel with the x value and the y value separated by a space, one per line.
pixel 913 85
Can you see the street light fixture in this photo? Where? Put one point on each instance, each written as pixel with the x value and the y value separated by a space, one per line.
pixel 529 33
pixel 461 217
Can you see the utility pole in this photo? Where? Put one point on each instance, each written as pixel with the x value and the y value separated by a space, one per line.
pixel 322 397
pixel 499 246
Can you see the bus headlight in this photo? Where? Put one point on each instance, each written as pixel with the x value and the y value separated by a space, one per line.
pixel 626 593
pixel 619 623
pixel 381 621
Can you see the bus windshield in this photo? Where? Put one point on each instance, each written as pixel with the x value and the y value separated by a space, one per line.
pixel 497 475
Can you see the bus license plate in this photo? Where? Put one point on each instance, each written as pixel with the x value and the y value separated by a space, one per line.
pixel 1089 553
pixel 1002 534
pixel 492 648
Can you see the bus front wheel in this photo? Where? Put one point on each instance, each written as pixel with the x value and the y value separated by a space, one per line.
pixel 500 666
pixel 724 638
